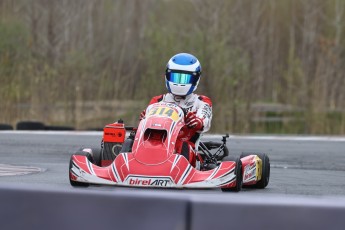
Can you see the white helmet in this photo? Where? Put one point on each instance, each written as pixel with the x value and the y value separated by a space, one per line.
pixel 182 74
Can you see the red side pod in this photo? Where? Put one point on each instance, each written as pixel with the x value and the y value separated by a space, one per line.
pixel 114 132
pixel 113 135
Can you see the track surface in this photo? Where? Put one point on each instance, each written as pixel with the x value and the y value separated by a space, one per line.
pixel 308 166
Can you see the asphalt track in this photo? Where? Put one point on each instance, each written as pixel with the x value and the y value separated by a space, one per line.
pixel 300 165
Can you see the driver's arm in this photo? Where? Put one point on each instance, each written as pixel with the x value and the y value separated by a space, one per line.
pixel 205 112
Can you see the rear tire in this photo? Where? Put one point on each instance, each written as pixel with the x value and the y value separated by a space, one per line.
pixel 238 173
pixel 266 168
pixel 215 145
pixel 96 156
pixel 110 151
pixel 212 145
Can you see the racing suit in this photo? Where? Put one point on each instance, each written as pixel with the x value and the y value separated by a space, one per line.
pixel 202 107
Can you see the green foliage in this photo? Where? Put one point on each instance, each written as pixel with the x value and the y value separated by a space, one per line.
pixel 62 57
pixel 13 55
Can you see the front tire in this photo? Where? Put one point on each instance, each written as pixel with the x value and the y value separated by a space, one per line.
pixel 266 168
pixel 238 173
pixel 77 183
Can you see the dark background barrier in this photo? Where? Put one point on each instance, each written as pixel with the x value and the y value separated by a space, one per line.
pixel 23 207
pixel 6 127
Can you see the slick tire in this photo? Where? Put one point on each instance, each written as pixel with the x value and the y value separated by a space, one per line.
pixel 72 182
pixel 238 173
pixel 6 127
pixel 266 168
pixel 214 145
pixel 110 151
pixel 225 152
pixel 30 125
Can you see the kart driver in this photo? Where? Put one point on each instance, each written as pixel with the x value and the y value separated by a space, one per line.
pixel 182 77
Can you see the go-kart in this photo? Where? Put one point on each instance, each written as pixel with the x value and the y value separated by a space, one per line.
pixel 148 158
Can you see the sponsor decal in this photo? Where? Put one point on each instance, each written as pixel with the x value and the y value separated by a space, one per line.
pixel 249 173
pixel 113 134
pixel 149 181
pixel 206 111
pixel 189 104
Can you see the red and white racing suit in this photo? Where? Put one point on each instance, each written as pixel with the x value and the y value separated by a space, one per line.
pixel 201 106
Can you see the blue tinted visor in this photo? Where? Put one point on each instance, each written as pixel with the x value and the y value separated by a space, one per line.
pixel 182 78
